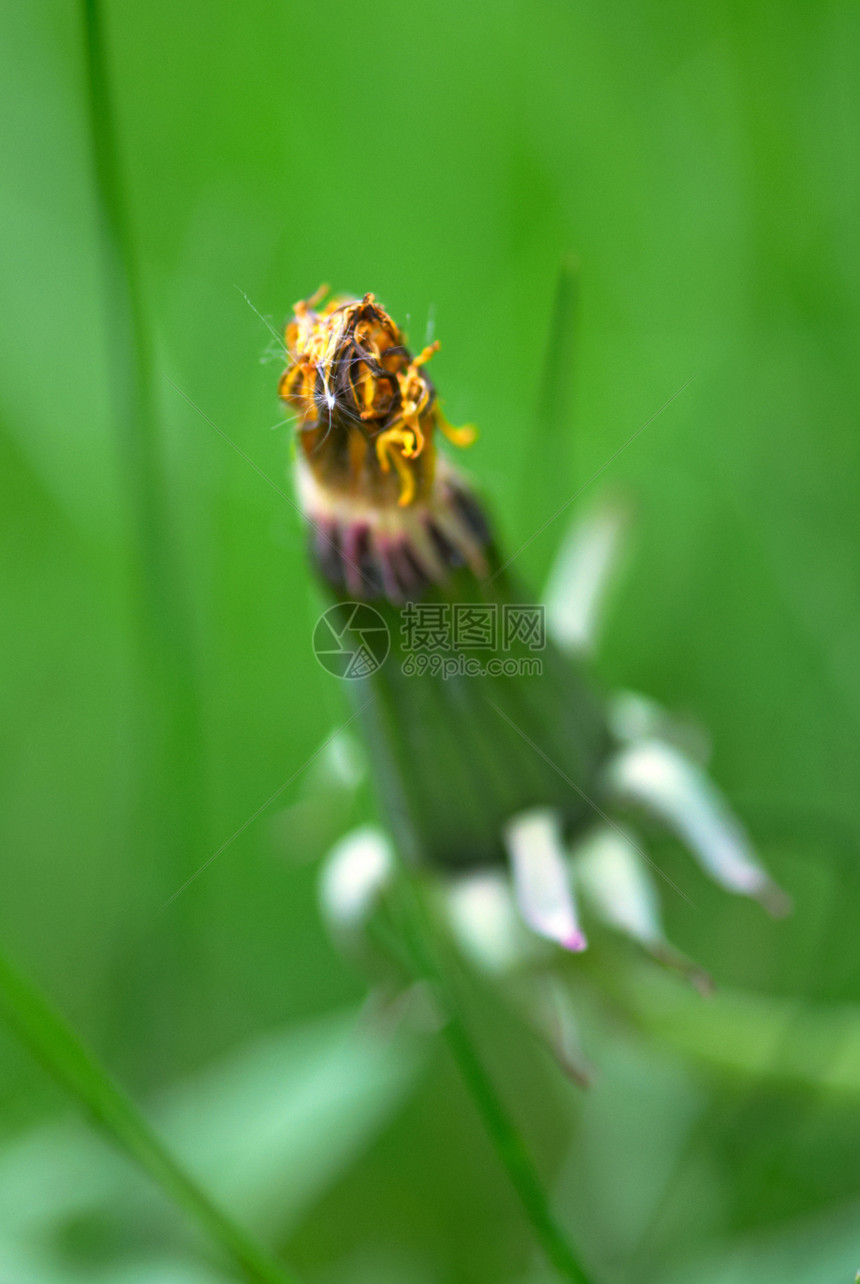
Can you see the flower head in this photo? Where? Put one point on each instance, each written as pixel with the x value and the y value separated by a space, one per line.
pixel 388 515
pixel 517 791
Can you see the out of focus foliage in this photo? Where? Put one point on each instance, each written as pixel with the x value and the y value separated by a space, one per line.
pixel 702 162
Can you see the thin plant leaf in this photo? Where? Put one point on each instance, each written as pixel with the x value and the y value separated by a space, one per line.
pixel 56 1045
pixel 772 1038
pixel 430 964
pixel 548 480
pixel 818 1248
pixel 163 632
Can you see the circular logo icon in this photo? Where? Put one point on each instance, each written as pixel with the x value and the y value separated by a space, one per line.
pixel 351 640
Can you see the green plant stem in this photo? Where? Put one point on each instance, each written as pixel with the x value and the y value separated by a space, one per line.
pixel 512 1152
pixel 163 633
pixel 53 1042
pixel 501 1129
pixel 425 958
pixel 129 348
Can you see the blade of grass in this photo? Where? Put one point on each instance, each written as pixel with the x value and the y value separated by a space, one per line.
pixel 506 1138
pixel 549 478
pixel 53 1042
pixel 556 391
pixel 422 953
pixel 129 352
pixel 163 632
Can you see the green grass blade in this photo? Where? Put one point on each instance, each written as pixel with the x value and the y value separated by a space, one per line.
pixel 549 479
pixel 512 1151
pixel 53 1042
pixel 129 348
pixel 163 632
pixel 555 398
pixel 427 960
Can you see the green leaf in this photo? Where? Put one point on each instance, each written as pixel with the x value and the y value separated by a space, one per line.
pixel 275 1123
pixel 270 1127
pixel 50 1039
pixel 763 1036
pixel 820 1249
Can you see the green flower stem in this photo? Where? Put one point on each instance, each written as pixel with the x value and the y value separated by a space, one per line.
pixel 502 1131
pixel 52 1041
pixel 384 719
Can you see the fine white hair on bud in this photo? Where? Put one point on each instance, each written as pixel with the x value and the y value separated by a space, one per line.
pixel 615 884
pixel 542 883
pixel 657 777
pixel 356 873
pixel 484 921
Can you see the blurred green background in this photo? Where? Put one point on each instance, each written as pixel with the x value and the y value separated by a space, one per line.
pixel 702 163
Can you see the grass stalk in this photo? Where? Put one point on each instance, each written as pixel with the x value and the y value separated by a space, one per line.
pixel 54 1043
pixel 129 349
pixel 549 478
pixel 501 1129
pixel 166 655
pixel 420 947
